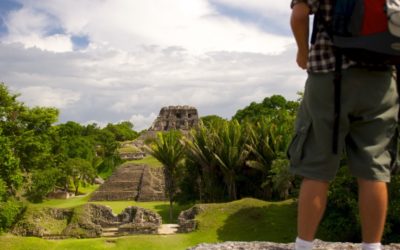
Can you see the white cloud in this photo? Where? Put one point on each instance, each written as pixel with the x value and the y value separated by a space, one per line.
pixel 30 28
pixel 143 55
pixel 141 122
pixel 45 96
pixel 125 24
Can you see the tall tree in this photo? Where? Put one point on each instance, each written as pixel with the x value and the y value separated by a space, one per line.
pixel 80 171
pixel 9 165
pixel 170 152
pixel 269 107
pixel 269 139
pixel 231 153
pixel 200 149
pixel 24 133
pixel 122 131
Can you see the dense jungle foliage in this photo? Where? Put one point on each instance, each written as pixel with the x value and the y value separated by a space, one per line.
pixel 220 160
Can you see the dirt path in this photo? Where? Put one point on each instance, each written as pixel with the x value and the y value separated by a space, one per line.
pixel 168 229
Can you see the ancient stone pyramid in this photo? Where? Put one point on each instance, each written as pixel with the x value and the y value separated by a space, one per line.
pixel 132 182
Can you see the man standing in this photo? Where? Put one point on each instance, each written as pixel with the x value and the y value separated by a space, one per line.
pixel 367 124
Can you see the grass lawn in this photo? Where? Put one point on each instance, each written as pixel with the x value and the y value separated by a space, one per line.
pixel 72 202
pixel 244 220
pixel 149 160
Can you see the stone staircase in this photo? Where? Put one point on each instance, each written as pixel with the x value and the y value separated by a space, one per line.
pixel 110 232
pixel 132 182
pixel 152 187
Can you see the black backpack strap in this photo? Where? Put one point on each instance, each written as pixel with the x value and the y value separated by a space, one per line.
pixel 315 28
pixel 396 165
pixel 337 86
pixel 398 87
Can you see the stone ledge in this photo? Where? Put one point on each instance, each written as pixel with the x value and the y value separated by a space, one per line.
pixel 258 245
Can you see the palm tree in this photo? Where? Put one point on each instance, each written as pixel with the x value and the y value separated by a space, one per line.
pixel 170 152
pixel 200 149
pixel 231 153
pixel 268 141
pixel 281 177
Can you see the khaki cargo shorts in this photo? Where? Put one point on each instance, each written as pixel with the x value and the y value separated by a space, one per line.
pixel 367 132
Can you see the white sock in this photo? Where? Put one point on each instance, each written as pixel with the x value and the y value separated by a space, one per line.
pixel 371 246
pixel 303 244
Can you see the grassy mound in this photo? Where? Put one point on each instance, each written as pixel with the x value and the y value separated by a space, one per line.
pixel 244 220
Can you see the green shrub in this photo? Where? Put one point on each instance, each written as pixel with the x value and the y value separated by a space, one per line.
pixel 43 182
pixel 3 190
pixel 341 221
pixel 9 211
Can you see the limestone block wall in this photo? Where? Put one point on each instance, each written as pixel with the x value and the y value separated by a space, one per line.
pixel 176 117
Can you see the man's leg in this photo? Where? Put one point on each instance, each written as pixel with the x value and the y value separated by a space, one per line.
pixel 312 203
pixel 373 202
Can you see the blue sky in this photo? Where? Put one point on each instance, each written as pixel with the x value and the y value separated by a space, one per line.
pixel 112 60
pixel 5 7
pixel 264 22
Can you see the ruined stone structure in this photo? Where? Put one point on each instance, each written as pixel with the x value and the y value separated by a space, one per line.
pixel 132 155
pixel 87 221
pixel 132 182
pixel 176 117
pixel 187 219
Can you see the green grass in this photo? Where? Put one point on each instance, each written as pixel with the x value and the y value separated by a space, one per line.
pixel 68 203
pixel 148 160
pixel 129 149
pixel 244 220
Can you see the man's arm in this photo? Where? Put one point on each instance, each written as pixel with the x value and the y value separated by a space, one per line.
pixel 299 22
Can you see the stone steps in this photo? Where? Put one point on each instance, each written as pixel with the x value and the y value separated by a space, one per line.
pixel 110 232
pixel 132 182
pixel 120 186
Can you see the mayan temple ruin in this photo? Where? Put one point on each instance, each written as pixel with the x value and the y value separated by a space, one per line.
pixel 132 182
pixel 176 117
pixel 141 182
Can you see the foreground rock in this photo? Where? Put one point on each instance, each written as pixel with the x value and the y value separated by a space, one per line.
pixel 318 245
pixel 187 219
pixel 87 221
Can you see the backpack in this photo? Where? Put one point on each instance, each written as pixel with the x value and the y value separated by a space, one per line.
pixel 365 31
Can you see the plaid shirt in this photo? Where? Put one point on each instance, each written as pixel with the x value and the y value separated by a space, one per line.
pixel 321 58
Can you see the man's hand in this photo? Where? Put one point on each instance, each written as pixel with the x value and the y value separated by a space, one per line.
pixel 302 58
pixel 299 22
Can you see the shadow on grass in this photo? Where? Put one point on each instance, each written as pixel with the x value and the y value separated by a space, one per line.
pixel 275 223
pixel 163 211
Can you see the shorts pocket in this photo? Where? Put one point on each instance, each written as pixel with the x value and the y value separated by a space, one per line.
pixel 296 148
